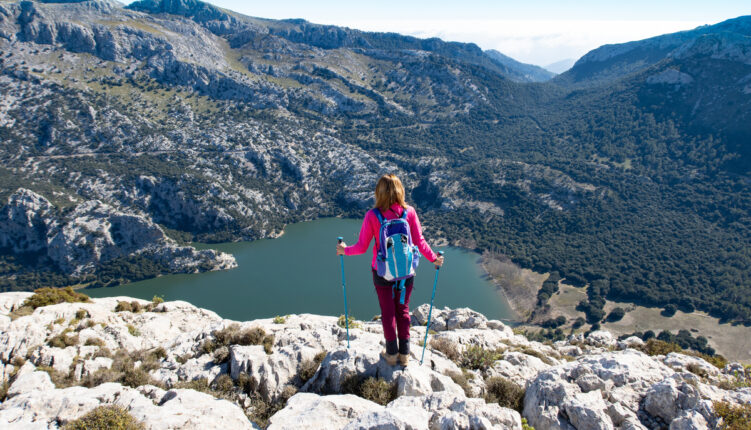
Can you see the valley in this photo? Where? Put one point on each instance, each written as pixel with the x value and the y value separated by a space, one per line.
pixel 628 173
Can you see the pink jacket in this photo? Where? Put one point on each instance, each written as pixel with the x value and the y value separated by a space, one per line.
pixel 371 226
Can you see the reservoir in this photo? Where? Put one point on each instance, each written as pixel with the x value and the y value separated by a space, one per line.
pixel 299 272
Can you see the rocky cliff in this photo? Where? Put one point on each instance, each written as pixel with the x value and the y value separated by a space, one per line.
pixel 172 365
pixel 86 236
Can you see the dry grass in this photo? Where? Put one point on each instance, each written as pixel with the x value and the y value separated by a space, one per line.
pixel 446 347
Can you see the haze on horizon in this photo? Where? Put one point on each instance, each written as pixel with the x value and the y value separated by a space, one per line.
pixel 538 32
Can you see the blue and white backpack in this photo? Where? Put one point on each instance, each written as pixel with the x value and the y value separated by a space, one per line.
pixel 397 256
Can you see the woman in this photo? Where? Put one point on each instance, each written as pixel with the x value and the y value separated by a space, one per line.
pixel 389 200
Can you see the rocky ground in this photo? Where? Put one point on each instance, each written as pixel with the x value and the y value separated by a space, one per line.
pixel 173 365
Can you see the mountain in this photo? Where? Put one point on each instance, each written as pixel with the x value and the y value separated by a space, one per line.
pixel 521 71
pixel 560 66
pixel 728 40
pixel 171 365
pixel 196 123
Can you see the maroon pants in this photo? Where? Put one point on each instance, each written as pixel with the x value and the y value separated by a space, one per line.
pixel 394 316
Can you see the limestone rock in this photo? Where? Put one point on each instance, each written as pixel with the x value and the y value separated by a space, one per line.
pixel 310 411
pixel 601 338
pixel 30 382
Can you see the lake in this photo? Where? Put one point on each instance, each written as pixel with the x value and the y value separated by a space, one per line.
pixel 300 273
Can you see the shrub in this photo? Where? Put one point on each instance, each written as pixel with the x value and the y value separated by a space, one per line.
pixel 697 370
pixel 159 353
pixel 94 341
pixel 53 296
pixel 446 347
pixel 135 378
pixel 251 336
pixel 207 347
pixel 133 330
pixel 733 417
pixel 616 314
pixel 123 307
pixel 263 410
pixel 505 393
pixel 308 368
pixel 669 310
pixel 578 323
pixel 63 339
pixel 351 320
pixel 525 425
pixel 221 355
pixel 246 383
pixel 378 390
pixel 4 390
pixel 224 384
pixel 157 300
pixel 106 418
pixel 81 314
pixel 659 347
pixel 478 358
pixel 280 320
pixel 461 380
pixel 268 343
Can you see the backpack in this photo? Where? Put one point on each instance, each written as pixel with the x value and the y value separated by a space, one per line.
pixel 397 257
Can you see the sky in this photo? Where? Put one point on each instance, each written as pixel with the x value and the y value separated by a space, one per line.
pixel 539 32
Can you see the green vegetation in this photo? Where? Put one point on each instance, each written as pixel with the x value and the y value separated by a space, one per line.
pixel 352 322
pixel 53 296
pixel 616 314
pixel 109 417
pixel 476 357
pixel 734 417
pixel 233 335
pixel 308 368
pixel 462 379
pixel 504 392
pixel 133 330
pixel 280 319
pixel 373 389
pixel 684 339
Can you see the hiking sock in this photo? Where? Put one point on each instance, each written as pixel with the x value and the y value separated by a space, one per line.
pixel 391 347
pixel 404 346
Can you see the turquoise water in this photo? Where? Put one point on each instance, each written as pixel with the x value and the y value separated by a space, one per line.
pixel 300 273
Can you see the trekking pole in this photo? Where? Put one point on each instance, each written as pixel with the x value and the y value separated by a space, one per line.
pixel 344 289
pixel 430 312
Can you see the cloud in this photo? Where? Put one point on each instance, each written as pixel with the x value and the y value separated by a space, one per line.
pixel 531 41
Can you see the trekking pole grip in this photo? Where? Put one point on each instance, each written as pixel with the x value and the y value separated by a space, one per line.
pixel 339 239
pixel 440 254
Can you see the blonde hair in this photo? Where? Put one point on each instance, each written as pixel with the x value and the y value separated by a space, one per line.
pixel 389 190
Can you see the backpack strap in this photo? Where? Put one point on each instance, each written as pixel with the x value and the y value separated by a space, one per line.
pixel 381 219
pixel 399 286
pixel 404 214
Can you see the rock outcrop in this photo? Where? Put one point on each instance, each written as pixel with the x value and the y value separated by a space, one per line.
pixel 62 361
pixel 92 234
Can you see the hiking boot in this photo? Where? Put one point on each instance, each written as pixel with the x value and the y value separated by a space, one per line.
pixel 404 359
pixel 390 358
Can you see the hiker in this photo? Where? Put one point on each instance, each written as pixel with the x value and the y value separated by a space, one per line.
pixel 393 296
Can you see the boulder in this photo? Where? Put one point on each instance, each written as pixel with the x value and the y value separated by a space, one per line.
pixel 601 338
pixel 668 398
pixel 311 411
pixel 450 411
pixel 30 382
